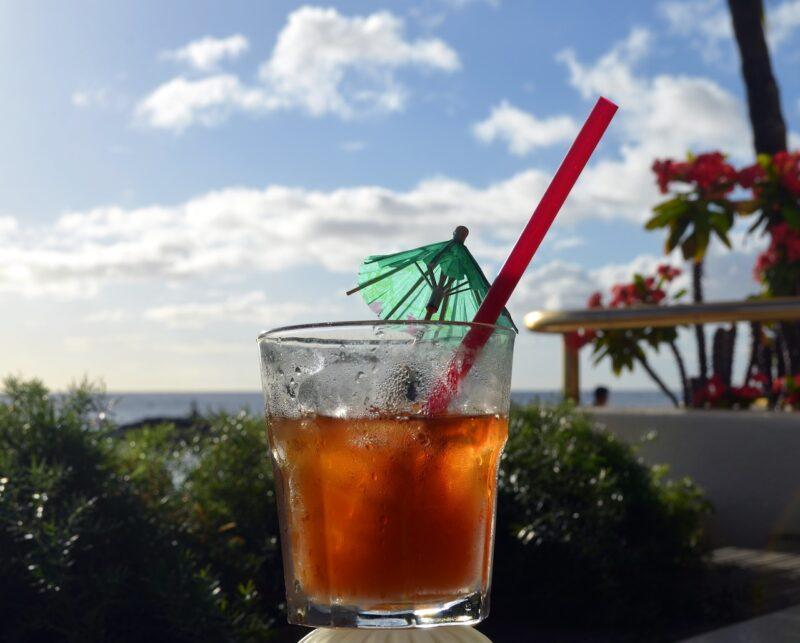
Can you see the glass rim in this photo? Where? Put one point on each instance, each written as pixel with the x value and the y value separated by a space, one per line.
pixel 275 333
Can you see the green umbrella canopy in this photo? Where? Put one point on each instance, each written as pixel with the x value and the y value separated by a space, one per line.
pixel 440 281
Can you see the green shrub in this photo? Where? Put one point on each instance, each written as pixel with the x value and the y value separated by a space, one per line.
pixel 83 557
pixel 170 532
pixel 214 479
pixel 587 531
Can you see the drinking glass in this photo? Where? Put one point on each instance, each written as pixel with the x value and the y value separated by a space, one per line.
pixel 386 511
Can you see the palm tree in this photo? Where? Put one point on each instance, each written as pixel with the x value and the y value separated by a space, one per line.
pixel 766 119
pixel 763 96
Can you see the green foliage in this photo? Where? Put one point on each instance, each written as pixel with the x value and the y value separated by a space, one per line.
pixel 691 222
pixel 775 203
pixel 593 533
pixel 170 533
pixel 83 557
pixel 215 480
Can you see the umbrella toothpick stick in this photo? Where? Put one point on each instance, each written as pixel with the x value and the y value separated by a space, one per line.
pixel 441 282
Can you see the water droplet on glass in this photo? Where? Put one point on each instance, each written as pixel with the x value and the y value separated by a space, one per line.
pixel 297 369
pixel 297 586
pixel 374 477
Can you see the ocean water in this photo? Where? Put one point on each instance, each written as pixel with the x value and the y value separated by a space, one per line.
pixel 132 407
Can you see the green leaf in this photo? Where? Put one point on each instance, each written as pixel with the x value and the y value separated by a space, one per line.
pixel 689 247
pixel 792 216
pixel 721 225
pixel 679 294
pixel 665 213
pixel 677 229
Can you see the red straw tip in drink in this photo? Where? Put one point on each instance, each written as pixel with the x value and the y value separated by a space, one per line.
pixel 523 251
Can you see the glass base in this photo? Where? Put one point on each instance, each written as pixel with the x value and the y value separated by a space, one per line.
pixel 450 633
pixel 467 610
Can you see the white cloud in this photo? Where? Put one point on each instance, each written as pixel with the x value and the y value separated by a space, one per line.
pixel 559 284
pixel 522 131
pixel 354 146
pixel 280 227
pixel 323 63
pixel 782 21
pixel 109 316
pixel 98 98
pixel 7 225
pixel 319 51
pixel 794 139
pixel 206 53
pixel 181 102
pixel 250 307
pixel 663 116
pixel 707 23
pixel 567 243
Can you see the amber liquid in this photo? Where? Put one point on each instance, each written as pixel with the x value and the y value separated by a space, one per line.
pixel 387 512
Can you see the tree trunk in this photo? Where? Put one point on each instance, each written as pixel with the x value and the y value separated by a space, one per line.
pixel 763 97
pixel 654 376
pixel 699 330
pixel 722 349
pixel 755 343
pixel 682 372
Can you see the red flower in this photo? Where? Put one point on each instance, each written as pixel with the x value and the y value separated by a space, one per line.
pixel 784 246
pixel 712 174
pixel 746 393
pixel 765 261
pixel 595 300
pixel 657 295
pixel 787 167
pixel 668 170
pixel 667 272
pixel 750 175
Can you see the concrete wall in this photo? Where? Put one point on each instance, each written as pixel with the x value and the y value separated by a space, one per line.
pixel 748 463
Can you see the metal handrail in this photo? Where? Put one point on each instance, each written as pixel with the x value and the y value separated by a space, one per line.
pixel 564 321
pixel 567 321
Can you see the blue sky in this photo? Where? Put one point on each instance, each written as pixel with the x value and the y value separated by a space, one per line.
pixel 178 176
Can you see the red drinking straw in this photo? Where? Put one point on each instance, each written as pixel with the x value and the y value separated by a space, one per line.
pixel 527 244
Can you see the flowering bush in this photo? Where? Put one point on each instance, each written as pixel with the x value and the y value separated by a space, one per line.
pixel 698 207
pixel 788 390
pixel 624 346
pixel 709 174
pixel 706 192
pixel 778 267
pixel 716 394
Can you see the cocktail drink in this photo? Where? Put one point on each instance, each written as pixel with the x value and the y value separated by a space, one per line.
pixel 386 510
